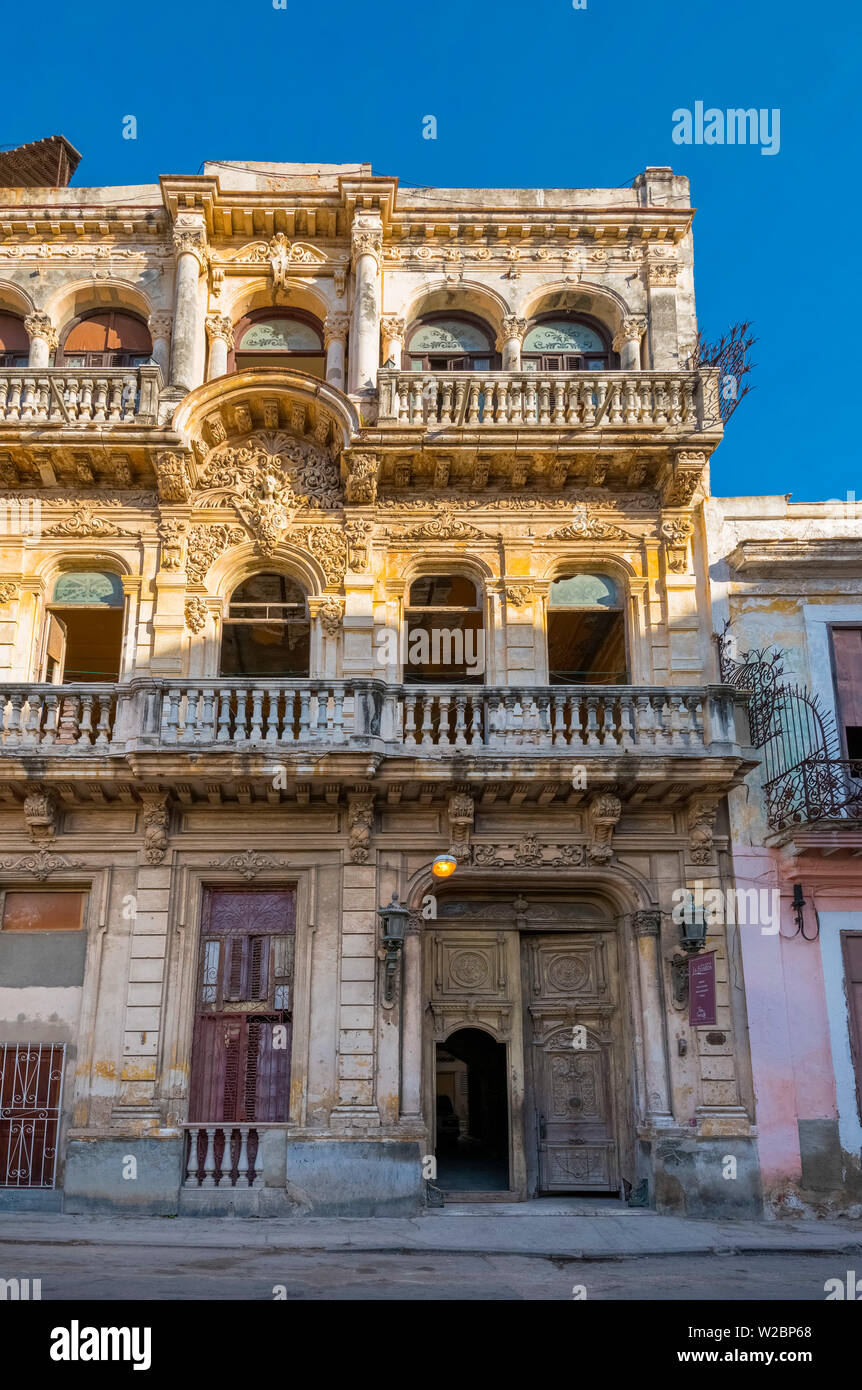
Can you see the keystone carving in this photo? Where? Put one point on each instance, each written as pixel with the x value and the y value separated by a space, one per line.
pixel 701 825
pixel 602 815
pixel 40 810
pixel 360 818
pixel 330 612
pixel 155 808
pixel 519 595
pixel 461 813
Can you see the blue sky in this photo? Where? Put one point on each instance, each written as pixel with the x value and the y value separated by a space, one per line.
pixel 524 96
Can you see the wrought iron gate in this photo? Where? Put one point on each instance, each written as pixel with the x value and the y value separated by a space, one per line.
pixel 31 1097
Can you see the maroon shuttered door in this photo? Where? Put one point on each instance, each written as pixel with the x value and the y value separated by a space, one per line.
pixel 847 647
pixel 852 944
pixel 241 1051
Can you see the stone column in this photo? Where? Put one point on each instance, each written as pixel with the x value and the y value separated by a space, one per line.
pixel 186 348
pixel 334 338
pixel 43 339
pixel 220 333
pixel 628 343
pixel 365 336
pixel 647 925
pixel 510 340
pixel 394 327
pixel 159 325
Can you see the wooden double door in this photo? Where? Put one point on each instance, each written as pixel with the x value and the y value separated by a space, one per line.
pixel 573 1062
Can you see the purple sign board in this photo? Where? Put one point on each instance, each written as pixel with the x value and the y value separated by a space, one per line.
pixel 701 989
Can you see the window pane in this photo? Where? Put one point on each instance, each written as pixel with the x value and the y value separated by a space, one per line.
pixel 584 590
pixel 89 587
pixel 447 590
pixel 280 335
pixel 562 335
pixel 43 911
pixel 448 335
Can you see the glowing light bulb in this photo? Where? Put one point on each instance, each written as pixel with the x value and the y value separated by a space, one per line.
pixel 444 866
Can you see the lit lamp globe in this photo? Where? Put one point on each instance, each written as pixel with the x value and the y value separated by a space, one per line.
pixel 444 866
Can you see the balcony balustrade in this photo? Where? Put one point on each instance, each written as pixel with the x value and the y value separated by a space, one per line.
pixel 72 396
pixel 616 400
pixel 435 721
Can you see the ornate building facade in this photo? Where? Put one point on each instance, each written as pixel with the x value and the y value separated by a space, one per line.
pixel 787 595
pixel 350 527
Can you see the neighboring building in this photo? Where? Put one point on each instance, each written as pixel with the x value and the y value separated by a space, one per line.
pixel 787 577
pixel 348 526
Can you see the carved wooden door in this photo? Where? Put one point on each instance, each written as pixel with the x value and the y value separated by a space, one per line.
pixel 570 991
pixel 241 1050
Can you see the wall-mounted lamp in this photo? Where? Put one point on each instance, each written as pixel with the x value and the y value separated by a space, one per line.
pixel 444 866
pixel 798 906
pixel 393 922
pixel 693 938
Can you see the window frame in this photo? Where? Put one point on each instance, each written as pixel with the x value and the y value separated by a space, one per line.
pixel 277 355
pixel 452 360
pixel 480 607
pixel 573 362
pixel 109 357
pixel 620 607
pixel 61 889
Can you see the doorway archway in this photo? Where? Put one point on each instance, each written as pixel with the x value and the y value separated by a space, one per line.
pixel 472 1113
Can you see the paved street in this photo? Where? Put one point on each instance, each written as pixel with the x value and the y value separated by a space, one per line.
pixel 131 1272
pixel 465 1252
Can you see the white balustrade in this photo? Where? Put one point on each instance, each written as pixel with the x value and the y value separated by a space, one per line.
pixel 223 1156
pixel 80 395
pixel 68 718
pixel 633 400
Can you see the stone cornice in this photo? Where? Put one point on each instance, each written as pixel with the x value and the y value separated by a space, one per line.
pixel 834 554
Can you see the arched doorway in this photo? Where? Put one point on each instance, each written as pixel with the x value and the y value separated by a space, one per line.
pixel 472 1113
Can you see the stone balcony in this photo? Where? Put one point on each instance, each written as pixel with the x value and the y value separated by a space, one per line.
pixel 220 729
pixel 77 397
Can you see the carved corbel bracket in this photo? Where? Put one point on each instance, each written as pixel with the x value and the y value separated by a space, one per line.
pixel 40 810
pixel 602 815
pixel 461 811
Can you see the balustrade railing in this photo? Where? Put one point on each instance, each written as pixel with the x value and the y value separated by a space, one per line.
pixel 68 717
pixel 222 1156
pixel 80 395
pixel 656 400
pixel 275 715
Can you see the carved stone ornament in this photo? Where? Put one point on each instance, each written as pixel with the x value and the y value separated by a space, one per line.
pixel 360 818
pixel 155 809
pixel 701 825
pixel 529 852
pixel 196 613
pixel 602 815
pixel 335 328
pixel 206 543
pixel 662 274
pixel 358 535
pixel 461 812
pixel 512 327
pixel 160 324
pixel 393 326
pixel 445 526
pixel 586 526
pixel 249 863
pixel 328 546
pixel 40 864
pixel 172 533
pixel 40 326
pixel 8 592
pixel 362 473
pixel 677 533
pixel 84 522
pixel 681 479
pixel 40 810
pixel 366 241
pixel 519 595
pixel 631 330
pixel 269 478
pixel 191 240
pixel 173 478
pixel 330 612
pixel 220 326
pixel 647 922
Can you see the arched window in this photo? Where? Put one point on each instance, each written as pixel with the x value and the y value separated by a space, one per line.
pixel 266 631
pixel 446 343
pixel 445 631
pixel 280 338
pixel 115 339
pixel 586 631
pixel 14 343
pixel 83 635
pixel 555 344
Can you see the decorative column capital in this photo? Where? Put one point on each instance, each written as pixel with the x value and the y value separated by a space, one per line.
pixel 40 326
pixel 160 324
pixel 512 327
pixel 366 241
pixel 393 326
pixel 661 274
pixel 631 330
pixel 192 241
pixel 335 327
pixel 219 326
pixel 647 921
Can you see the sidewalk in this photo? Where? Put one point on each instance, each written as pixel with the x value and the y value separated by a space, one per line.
pixel 561 1229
